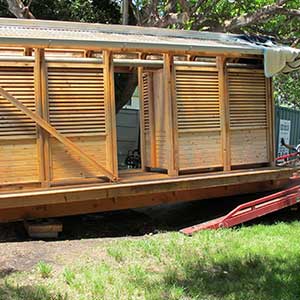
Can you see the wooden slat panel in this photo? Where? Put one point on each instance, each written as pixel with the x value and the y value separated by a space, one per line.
pixel 199 150
pixel 19 82
pixel 18 161
pixel 249 146
pixel 197 99
pixel 76 100
pixel 66 164
pixel 161 142
pixel 247 97
pixel 146 95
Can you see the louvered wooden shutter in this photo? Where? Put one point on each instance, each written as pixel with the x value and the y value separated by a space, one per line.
pixel 146 95
pixel 247 93
pixel 76 101
pixel 19 82
pixel 77 110
pixel 248 116
pixel 197 100
pixel 198 115
pixel 18 150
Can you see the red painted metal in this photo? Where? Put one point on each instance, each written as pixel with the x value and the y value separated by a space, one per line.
pixel 251 210
pixel 286 156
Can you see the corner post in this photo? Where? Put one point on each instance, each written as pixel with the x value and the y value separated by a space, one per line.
pixel 270 121
pixel 171 114
pixel 110 113
pixel 224 112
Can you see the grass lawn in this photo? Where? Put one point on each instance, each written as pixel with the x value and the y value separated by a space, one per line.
pixel 257 262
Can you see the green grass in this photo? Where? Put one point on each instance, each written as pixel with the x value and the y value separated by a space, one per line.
pixel 44 269
pixel 250 263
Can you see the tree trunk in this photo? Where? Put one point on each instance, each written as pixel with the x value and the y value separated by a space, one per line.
pixel 125 85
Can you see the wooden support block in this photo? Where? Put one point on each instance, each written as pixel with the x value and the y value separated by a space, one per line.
pixel 48 228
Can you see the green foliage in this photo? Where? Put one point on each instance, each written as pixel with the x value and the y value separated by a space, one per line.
pixel 44 269
pixel 287 89
pixel 69 276
pixel 101 11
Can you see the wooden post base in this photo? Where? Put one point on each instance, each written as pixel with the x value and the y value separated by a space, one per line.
pixel 49 228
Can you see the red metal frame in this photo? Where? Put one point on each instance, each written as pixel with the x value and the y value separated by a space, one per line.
pixel 251 210
pixel 286 156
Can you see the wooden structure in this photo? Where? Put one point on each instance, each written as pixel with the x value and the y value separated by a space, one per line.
pixel 206 118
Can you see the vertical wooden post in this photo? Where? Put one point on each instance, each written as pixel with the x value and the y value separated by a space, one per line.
pixel 152 122
pixel 39 111
pixel 46 117
pixel 40 82
pixel 171 114
pixel 270 121
pixel 28 51
pixel 224 112
pixel 110 114
pixel 142 118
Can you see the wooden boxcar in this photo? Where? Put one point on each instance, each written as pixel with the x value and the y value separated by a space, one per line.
pixel 206 118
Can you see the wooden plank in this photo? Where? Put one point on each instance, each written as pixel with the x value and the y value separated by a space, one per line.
pixel 100 205
pixel 51 130
pixel 171 113
pixel 110 114
pixel 270 122
pixel 39 111
pixel 131 189
pixel 224 112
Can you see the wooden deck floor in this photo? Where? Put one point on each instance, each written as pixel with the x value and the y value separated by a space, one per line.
pixel 137 189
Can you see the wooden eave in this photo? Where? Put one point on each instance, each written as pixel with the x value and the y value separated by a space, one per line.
pixel 67 35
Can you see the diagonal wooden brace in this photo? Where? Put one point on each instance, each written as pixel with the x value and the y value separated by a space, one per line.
pixel 52 131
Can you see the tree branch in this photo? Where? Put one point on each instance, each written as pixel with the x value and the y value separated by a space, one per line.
pixel 261 15
pixel 19 10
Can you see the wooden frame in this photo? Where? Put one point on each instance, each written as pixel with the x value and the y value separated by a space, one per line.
pixel 206 112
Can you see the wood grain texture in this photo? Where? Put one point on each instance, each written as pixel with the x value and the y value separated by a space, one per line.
pixel 67 164
pixel 199 150
pixel 18 161
pixel 92 206
pixel 249 146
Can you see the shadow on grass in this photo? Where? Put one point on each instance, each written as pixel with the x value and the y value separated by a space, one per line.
pixel 251 278
pixel 9 292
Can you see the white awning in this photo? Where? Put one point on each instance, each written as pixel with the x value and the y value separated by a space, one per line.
pixel 280 59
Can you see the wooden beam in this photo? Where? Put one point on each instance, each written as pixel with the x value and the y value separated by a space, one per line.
pixel 38 106
pixel 139 188
pixel 45 116
pixel 108 204
pixel 41 99
pixel 270 121
pixel 51 130
pixel 171 114
pixel 110 113
pixel 224 112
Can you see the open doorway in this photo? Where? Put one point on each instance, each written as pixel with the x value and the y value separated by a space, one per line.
pixel 128 132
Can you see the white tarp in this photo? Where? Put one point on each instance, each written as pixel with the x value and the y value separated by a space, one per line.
pixel 281 60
